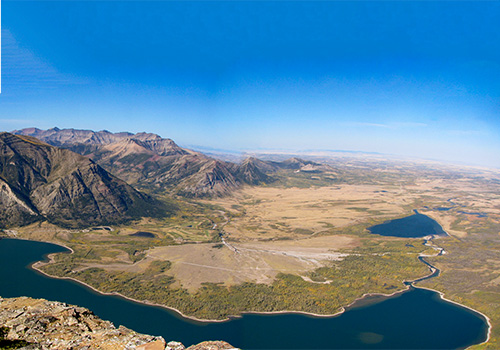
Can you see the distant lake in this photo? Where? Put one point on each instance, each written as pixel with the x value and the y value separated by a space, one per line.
pixel 416 225
pixel 415 319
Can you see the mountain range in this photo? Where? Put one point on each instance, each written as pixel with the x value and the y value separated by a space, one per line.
pixel 78 178
pixel 159 165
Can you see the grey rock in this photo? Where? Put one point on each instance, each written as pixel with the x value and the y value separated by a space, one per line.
pixel 54 326
pixel 174 345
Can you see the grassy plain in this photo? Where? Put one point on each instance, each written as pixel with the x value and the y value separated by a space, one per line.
pixel 258 262
pixel 301 243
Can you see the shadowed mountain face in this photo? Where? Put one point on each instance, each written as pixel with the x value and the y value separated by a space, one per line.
pixel 162 166
pixel 151 162
pixel 253 171
pixel 39 181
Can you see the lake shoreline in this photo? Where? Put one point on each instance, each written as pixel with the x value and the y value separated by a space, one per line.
pixel 407 284
pixel 36 266
pixel 433 269
pixel 342 309
pixel 386 301
pixel 488 321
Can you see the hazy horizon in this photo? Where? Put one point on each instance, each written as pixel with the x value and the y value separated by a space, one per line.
pixel 411 79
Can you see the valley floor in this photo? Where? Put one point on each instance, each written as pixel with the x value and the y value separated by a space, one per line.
pixel 298 248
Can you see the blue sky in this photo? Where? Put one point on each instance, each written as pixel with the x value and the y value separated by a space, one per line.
pixel 416 79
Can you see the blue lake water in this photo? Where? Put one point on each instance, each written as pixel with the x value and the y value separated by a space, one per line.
pixel 416 225
pixel 415 319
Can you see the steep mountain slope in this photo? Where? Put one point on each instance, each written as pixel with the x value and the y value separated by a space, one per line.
pixel 214 177
pixel 253 171
pixel 39 181
pixel 166 169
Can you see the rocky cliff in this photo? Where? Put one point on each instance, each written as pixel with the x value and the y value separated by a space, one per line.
pixel 40 324
pixel 43 182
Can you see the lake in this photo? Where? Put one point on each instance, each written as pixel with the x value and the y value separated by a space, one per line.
pixel 415 319
pixel 414 226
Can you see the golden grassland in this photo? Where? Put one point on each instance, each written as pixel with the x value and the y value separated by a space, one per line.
pixel 258 262
pixel 300 244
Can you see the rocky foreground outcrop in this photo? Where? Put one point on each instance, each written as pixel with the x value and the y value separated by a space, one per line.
pixel 54 325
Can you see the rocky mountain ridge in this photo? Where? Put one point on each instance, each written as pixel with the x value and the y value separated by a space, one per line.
pixel 151 162
pixel 42 182
pixel 87 141
pixel 48 325
pixel 146 160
